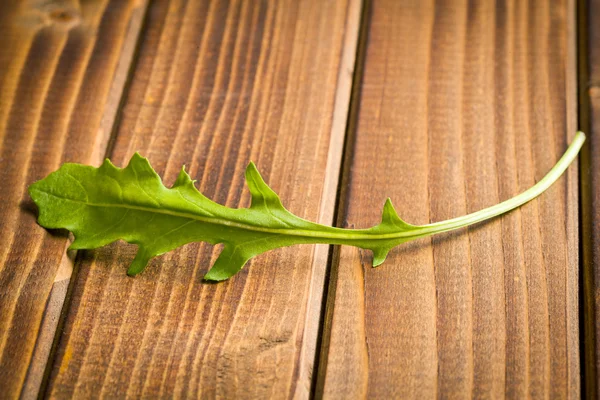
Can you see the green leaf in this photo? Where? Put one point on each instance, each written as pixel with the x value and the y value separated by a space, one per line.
pixel 105 204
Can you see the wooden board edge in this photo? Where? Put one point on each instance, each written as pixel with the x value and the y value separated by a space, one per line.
pixel 589 372
pixel 573 208
pixel 341 201
pixel 58 304
pixel 309 354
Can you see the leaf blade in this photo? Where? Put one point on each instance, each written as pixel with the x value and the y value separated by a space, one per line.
pixel 106 204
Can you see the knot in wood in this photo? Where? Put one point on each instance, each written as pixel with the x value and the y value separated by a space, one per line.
pixel 57 13
pixel 64 17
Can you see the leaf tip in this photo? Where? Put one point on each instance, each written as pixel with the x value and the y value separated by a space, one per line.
pixel 388 204
pixel 138 159
pixel 107 164
pixel 183 179
pixel 262 195
pixel 389 212
pixel 390 218
pixel 32 189
pixel 252 171
pixel 379 255
pixel 139 262
pixel 216 275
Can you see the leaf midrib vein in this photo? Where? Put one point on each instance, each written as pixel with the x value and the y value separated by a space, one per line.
pixel 340 233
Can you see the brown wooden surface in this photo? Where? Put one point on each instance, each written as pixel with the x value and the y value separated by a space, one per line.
pixel 463 104
pixel 590 185
pixel 217 84
pixel 457 106
pixel 62 72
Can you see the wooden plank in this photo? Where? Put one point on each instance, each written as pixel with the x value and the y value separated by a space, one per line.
pixel 220 83
pixel 62 70
pixel 589 17
pixel 463 104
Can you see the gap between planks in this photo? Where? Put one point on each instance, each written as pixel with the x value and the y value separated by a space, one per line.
pixel 326 199
pixel 341 199
pixel 588 18
pixel 58 301
pixel 309 356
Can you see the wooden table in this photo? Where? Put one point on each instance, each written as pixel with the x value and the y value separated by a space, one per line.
pixel 447 107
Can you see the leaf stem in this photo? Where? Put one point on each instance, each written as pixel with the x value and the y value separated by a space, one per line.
pixel 317 233
pixel 510 204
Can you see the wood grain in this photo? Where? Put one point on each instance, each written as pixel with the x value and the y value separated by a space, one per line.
pixel 590 187
pixel 462 105
pixel 219 83
pixel 59 73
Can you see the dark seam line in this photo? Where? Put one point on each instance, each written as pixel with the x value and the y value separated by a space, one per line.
pixel 586 287
pixel 45 384
pixel 341 203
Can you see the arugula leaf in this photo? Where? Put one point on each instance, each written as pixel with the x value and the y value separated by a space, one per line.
pixel 105 204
